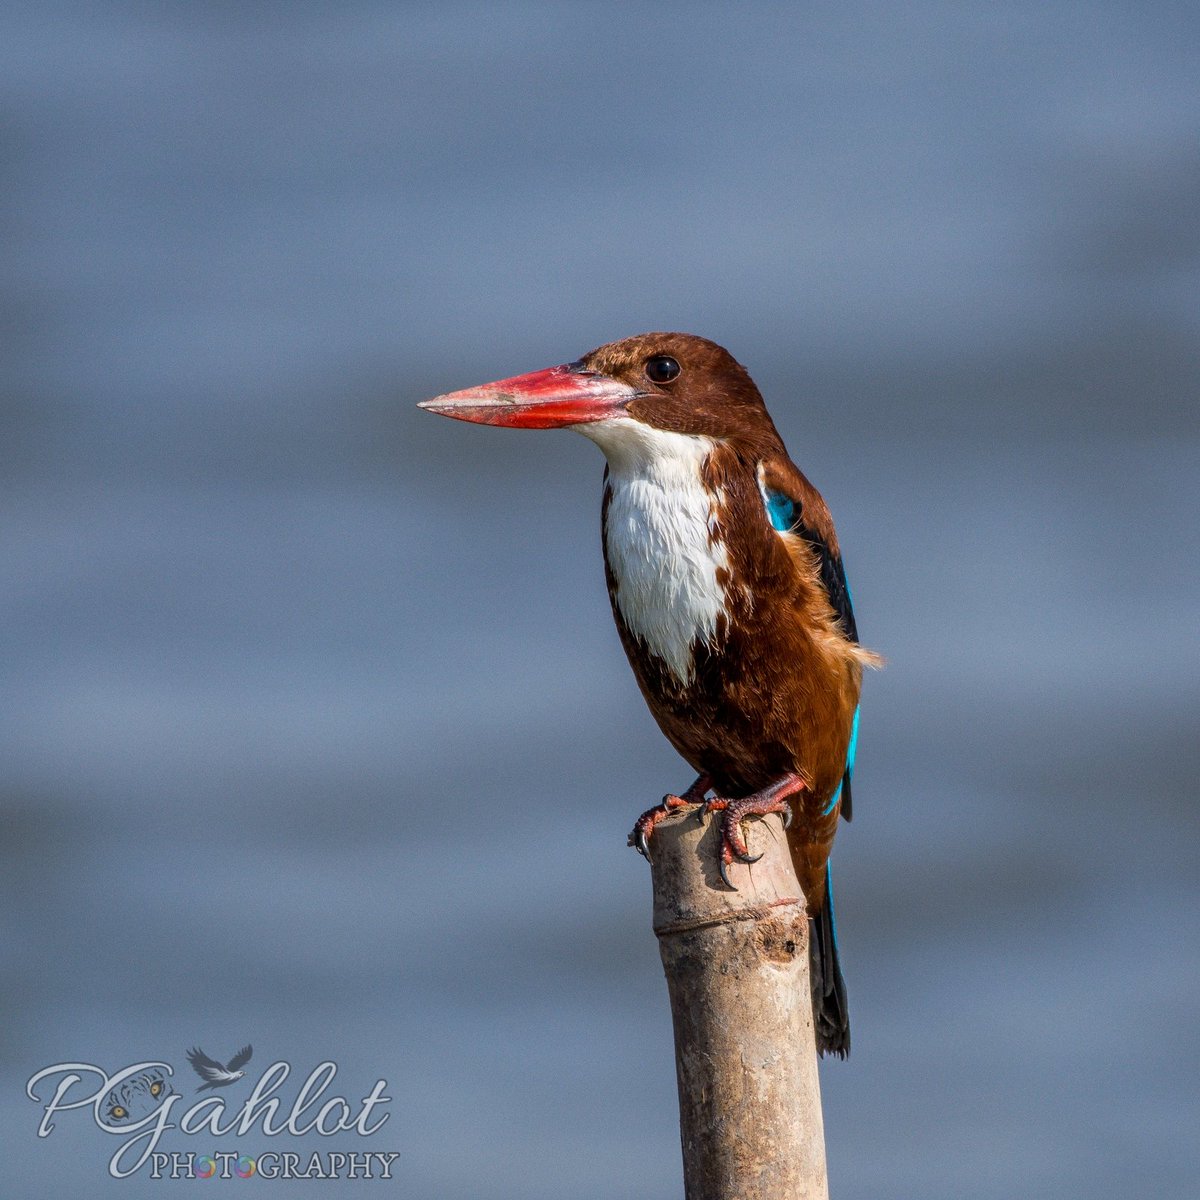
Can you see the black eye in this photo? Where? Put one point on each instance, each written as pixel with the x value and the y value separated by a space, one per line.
pixel 661 369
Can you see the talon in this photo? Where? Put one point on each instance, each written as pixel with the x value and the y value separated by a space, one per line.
pixel 770 800
pixel 731 837
pixel 639 837
pixel 724 869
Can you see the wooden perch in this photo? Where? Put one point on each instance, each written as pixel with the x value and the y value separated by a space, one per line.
pixel 745 1052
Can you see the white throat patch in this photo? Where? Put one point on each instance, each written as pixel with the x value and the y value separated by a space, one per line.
pixel 658 537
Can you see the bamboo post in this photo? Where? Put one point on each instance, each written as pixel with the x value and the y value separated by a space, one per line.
pixel 745 1051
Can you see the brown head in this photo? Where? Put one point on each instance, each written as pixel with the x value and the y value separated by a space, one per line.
pixel 668 381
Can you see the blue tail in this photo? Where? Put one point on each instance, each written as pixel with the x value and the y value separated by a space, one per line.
pixel 831 1015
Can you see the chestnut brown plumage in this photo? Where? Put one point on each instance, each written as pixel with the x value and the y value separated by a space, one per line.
pixel 726 583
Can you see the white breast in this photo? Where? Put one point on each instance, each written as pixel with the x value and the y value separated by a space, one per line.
pixel 659 538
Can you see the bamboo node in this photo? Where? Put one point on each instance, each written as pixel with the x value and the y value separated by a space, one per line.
pixel 755 913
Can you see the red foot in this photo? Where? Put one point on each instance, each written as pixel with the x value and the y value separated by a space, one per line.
pixel 773 799
pixel 639 838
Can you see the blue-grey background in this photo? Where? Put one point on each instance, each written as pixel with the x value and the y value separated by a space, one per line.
pixel 316 733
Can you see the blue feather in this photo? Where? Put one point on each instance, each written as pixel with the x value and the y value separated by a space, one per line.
pixel 850 751
pixel 853 744
pixel 834 799
pixel 781 510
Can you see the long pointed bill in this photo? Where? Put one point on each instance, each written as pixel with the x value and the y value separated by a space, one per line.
pixel 548 399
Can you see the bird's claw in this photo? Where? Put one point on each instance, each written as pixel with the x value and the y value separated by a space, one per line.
pixel 723 865
pixel 639 836
pixel 746 859
pixel 733 844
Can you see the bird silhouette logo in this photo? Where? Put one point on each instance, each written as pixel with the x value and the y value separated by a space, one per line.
pixel 211 1071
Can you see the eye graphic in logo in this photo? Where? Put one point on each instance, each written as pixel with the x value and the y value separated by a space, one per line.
pixel 215 1075
pixel 134 1098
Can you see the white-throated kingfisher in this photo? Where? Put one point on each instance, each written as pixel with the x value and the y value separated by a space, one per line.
pixel 729 595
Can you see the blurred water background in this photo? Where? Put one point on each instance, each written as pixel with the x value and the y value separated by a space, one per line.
pixel 316 733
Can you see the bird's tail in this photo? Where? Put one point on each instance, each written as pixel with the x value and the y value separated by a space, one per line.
pixel 831 1014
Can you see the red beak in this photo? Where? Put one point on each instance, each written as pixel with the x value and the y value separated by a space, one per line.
pixel 549 399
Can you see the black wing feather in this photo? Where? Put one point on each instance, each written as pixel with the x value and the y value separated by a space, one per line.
pixel 833 579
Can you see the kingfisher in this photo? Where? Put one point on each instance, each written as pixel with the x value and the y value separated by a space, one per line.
pixel 729 594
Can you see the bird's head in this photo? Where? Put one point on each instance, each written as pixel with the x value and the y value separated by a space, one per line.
pixel 620 393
